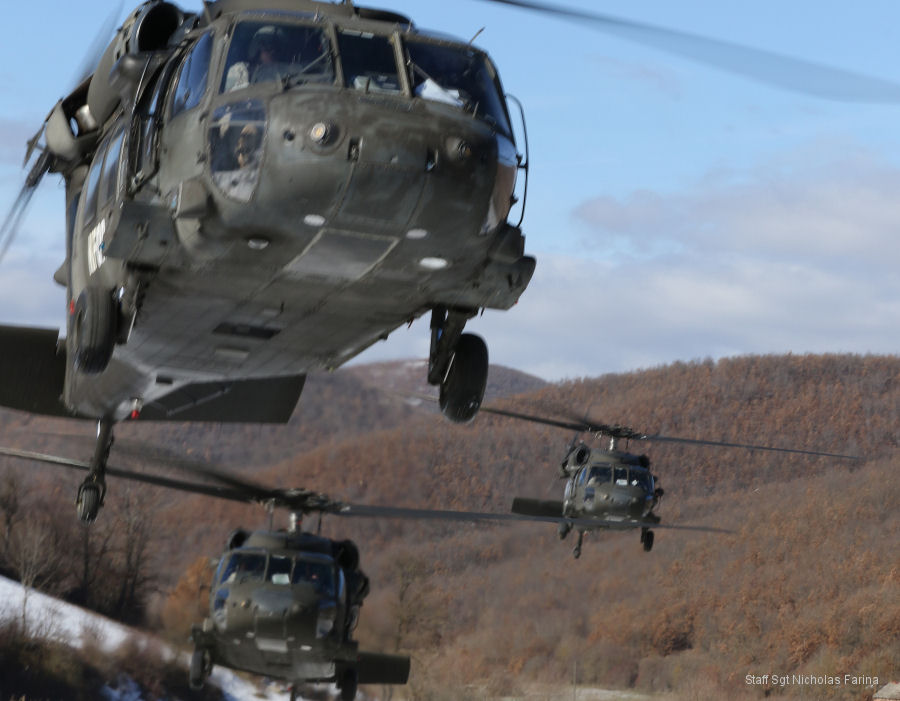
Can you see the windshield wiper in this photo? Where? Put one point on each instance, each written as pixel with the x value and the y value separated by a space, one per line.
pixel 296 78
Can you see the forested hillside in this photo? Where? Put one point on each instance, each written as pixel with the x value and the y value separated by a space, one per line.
pixel 807 582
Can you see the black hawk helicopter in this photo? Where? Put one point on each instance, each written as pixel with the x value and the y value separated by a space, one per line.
pixel 610 489
pixel 265 188
pixel 285 603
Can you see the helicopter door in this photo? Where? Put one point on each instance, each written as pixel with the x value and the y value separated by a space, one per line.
pixel 145 129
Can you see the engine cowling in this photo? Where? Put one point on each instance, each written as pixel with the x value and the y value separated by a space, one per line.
pixel 147 30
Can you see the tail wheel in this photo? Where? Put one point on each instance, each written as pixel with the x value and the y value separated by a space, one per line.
pixel 94 330
pixel 462 390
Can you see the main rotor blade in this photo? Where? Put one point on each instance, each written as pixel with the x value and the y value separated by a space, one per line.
pixel 10 226
pixel 169 483
pixel 769 67
pixel 373 511
pixel 98 45
pixel 748 446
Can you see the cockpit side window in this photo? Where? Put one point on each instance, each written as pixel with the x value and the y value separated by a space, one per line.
pixel 262 52
pixel 192 77
pixel 369 62
pixel 459 76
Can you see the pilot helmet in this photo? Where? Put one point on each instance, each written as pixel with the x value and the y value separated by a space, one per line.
pixel 265 38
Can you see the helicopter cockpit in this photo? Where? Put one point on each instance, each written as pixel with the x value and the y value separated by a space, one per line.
pixel 262 52
pixel 288 51
pixel 618 475
pixel 313 568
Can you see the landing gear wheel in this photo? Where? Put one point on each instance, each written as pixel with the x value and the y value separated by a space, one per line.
pixel 647 539
pixel 94 330
pixel 563 530
pixel 462 390
pixel 294 695
pixel 201 666
pixel 88 501
pixel 347 684
pixel 92 491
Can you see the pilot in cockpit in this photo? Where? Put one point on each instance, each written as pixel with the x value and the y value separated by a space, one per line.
pixel 262 64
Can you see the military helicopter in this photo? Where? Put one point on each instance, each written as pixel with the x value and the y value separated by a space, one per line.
pixel 265 188
pixel 285 603
pixel 607 488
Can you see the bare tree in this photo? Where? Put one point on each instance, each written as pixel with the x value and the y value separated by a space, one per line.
pixel 34 557
pixel 9 504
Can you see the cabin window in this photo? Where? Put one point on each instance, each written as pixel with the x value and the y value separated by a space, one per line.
pixel 319 574
pixel 191 81
pixel 458 76
pixel 369 62
pixel 262 52
pixel 279 570
pixel 110 178
pixel 244 567
pixel 93 180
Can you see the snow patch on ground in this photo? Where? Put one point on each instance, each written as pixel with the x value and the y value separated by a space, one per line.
pixel 52 619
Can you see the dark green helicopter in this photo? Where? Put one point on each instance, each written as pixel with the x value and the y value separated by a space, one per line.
pixel 607 488
pixel 259 190
pixel 265 188
pixel 285 603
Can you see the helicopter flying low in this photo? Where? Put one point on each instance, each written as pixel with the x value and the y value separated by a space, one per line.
pixel 285 603
pixel 610 489
pixel 265 188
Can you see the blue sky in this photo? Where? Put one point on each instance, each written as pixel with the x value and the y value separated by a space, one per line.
pixel 676 211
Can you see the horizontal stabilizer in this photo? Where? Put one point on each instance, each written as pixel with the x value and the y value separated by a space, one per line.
pixel 537 507
pixel 32 370
pixel 270 400
pixel 377 668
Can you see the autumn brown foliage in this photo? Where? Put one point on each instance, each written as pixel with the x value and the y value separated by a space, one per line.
pixel 807 583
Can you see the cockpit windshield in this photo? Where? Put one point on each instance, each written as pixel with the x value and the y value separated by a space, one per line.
pixel 600 474
pixel 319 573
pixel 262 52
pixel 456 75
pixel 642 479
pixel 244 567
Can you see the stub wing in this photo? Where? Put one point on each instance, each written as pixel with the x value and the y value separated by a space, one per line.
pixel 32 370
pixel 378 668
pixel 537 507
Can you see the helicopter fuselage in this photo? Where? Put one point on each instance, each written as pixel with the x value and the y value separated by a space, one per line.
pixel 285 604
pixel 267 229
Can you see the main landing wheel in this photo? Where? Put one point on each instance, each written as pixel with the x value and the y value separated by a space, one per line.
pixel 647 539
pixel 94 330
pixel 201 665
pixel 462 390
pixel 87 504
